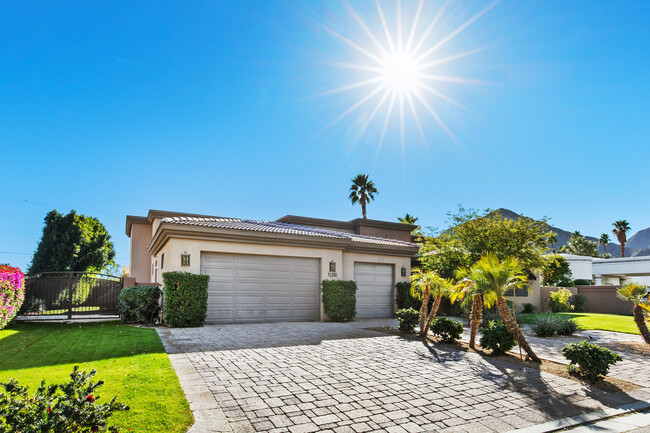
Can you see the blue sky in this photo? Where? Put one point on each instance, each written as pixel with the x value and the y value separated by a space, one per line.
pixel 112 108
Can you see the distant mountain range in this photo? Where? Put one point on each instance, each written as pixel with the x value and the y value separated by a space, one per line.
pixel 637 245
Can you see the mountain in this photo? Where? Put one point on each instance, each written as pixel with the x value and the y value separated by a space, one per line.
pixel 641 239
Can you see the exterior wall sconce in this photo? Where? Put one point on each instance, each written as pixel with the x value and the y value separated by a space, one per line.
pixel 403 271
pixel 185 259
pixel 332 266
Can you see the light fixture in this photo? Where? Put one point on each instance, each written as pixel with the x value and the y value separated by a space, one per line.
pixel 403 271
pixel 185 259
pixel 332 266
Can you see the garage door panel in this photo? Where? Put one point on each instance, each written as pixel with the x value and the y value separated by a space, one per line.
pixel 374 290
pixel 261 288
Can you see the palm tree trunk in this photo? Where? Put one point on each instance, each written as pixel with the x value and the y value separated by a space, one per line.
pixel 605 248
pixel 423 313
pixel 475 318
pixel 363 207
pixel 639 318
pixel 512 326
pixel 622 249
pixel 433 312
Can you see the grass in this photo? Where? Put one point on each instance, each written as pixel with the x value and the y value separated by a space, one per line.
pixel 605 322
pixel 131 361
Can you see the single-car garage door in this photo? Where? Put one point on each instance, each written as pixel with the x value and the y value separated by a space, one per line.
pixel 247 288
pixel 374 290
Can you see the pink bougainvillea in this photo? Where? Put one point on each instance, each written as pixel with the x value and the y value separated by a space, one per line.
pixel 12 293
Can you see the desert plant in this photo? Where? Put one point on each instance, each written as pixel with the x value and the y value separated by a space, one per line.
pixel 139 304
pixel 363 190
pixel 528 308
pixel 635 293
pixel 567 326
pixel 186 299
pixel 545 325
pixel 579 303
pixel 340 300
pixel 407 318
pixel 558 301
pixel 620 230
pixel 589 360
pixel 497 338
pixel 424 285
pixel 448 330
pixel 68 407
pixel 12 293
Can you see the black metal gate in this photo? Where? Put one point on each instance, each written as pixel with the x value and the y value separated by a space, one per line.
pixel 67 294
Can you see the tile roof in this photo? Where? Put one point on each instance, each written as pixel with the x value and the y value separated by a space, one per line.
pixel 283 228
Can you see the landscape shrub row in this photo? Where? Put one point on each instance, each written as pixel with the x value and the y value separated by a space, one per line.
pixel 139 304
pixel 12 293
pixel 185 299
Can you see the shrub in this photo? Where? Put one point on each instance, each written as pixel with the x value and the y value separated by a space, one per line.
pixel 566 326
pixel 340 299
pixel 558 302
pixel 447 329
pixel 186 299
pixel 582 282
pixel 68 407
pixel 528 308
pixel 139 304
pixel 589 359
pixel 579 303
pixel 496 337
pixel 489 314
pixel 547 325
pixel 12 293
pixel 558 272
pixel 408 318
pixel 403 297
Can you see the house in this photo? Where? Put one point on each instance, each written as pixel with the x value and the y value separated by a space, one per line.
pixel 613 271
pixel 272 270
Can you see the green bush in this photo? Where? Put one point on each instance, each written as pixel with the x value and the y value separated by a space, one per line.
pixel 488 315
pixel 528 308
pixel 340 300
pixel 557 272
pixel 496 337
pixel 567 326
pixel 579 303
pixel 547 325
pixel 69 407
pixel 589 360
pixel 403 297
pixel 186 299
pixel 139 304
pixel 408 318
pixel 558 302
pixel 447 329
pixel 582 282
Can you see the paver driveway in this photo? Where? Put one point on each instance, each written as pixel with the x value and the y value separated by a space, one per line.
pixel 306 377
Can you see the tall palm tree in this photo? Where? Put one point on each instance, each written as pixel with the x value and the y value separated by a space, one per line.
pixel 604 239
pixel 635 292
pixel 620 230
pixel 363 191
pixel 408 219
pixel 494 278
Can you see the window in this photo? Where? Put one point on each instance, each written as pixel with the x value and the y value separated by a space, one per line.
pixel 162 261
pixel 522 292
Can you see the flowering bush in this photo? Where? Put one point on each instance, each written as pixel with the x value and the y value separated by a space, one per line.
pixel 12 293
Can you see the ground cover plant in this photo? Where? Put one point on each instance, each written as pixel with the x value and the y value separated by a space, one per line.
pixel 587 321
pixel 130 360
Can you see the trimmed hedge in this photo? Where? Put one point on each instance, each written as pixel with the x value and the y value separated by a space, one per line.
pixel 340 299
pixel 403 297
pixel 138 304
pixel 186 299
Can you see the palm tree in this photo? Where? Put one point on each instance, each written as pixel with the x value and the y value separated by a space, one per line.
pixel 604 239
pixel 494 278
pixel 440 287
pixel 635 292
pixel 362 191
pixel 408 219
pixel 466 288
pixel 425 284
pixel 552 240
pixel 620 230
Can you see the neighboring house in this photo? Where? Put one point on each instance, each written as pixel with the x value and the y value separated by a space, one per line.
pixel 272 270
pixel 613 271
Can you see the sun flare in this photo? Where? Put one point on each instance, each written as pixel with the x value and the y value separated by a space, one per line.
pixel 400 73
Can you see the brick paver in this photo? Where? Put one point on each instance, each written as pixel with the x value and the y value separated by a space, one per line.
pixel 308 377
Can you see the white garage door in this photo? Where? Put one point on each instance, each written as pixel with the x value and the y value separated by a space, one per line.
pixel 247 288
pixel 374 290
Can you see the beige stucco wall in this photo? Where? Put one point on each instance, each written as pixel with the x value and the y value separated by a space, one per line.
pixel 140 259
pixel 533 297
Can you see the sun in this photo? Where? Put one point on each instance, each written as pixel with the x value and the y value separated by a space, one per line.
pixel 403 65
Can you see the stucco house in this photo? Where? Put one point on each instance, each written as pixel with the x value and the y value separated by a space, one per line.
pixel 272 270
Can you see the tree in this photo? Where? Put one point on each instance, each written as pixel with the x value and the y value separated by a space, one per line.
pixel 604 239
pixel 620 230
pixel 494 277
pixel 635 292
pixel 410 219
pixel 73 242
pixel 465 289
pixel 362 191
pixel 580 246
pixel 552 239
pixel 425 284
pixel 558 272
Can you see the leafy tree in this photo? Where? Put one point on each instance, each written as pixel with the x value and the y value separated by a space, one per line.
pixel 444 255
pixel 604 239
pixel 580 246
pixel 410 219
pixel 552 240
pixel 620 230
pixel 73 242
pixel 558 272
pixel 363 191
pixel 635 293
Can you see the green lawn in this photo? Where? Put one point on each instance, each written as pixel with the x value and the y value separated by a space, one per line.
pixel 605 322
pixel 131 361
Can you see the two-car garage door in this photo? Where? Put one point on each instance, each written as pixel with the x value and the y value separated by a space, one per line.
pixel 248 288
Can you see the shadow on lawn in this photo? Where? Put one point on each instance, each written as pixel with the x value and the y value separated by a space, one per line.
pixel 555 397
pixel 47 344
